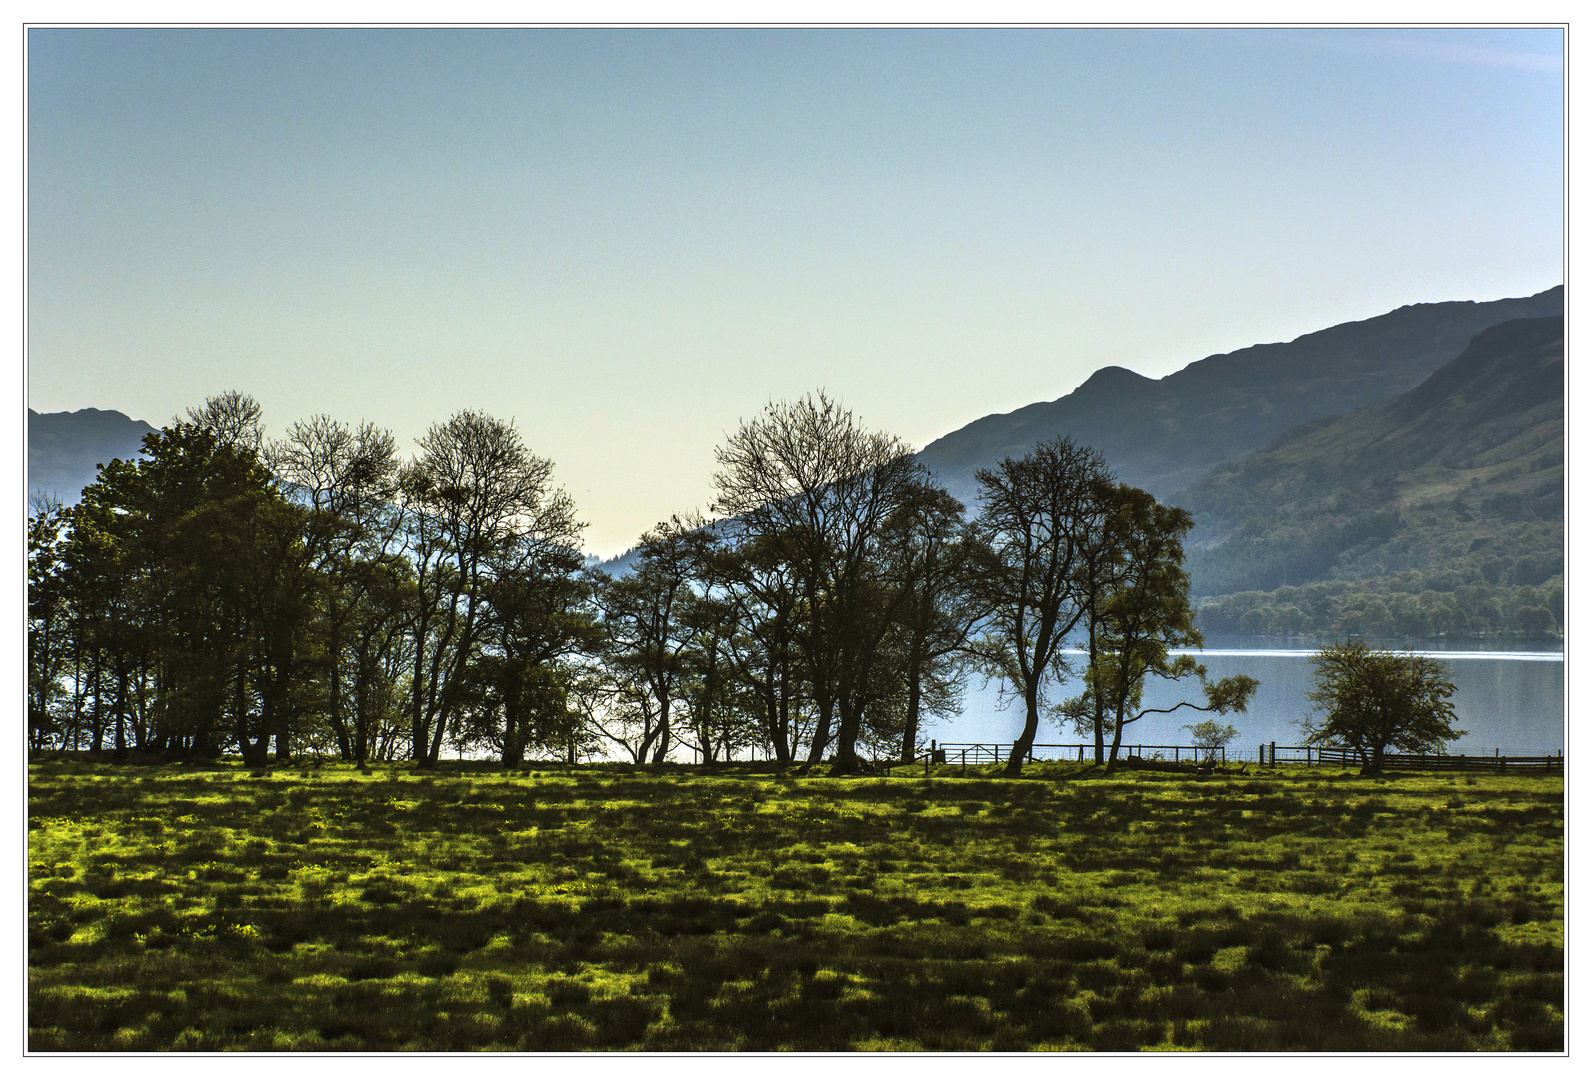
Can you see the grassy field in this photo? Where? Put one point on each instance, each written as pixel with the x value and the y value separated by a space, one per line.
pixel 178 908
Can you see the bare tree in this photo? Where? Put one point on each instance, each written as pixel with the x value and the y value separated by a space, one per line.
pixel 347 480
pixel 233 418
pixel 477 504
pixel 815 487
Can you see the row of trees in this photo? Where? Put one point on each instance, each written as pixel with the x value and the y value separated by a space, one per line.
pixel 226 592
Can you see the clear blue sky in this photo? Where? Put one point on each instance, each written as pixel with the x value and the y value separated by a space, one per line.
pixel 627 241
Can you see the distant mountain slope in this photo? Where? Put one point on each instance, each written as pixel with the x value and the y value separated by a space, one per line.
pixel 1164 434
pixel 1455 484
pixel 66 448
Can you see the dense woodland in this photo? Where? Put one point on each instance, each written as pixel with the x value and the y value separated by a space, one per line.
pixel 1436 512
pixel 231 594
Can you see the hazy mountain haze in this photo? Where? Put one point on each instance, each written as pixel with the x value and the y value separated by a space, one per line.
pixel 66 449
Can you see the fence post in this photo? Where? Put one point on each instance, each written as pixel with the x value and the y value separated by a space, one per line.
pixel 1274 753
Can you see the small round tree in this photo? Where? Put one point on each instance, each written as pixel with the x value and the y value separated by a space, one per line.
pixel 1210 736
pixel 1374 700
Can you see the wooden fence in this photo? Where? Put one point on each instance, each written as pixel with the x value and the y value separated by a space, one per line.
pixel 1498 763
pixel 987 753
pixel 1270 754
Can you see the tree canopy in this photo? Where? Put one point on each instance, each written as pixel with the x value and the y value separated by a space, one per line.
pixel 231 593
pixel 1374 700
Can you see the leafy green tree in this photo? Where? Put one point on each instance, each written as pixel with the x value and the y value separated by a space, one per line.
pixel 648 634
pixel 763 593
pixel 1038 515
pixel 541 616
pixel 1210 736
pixel 721 710
pixel 1099 572
pixel 514 705
pixel 1374 700
pixel 379 652
pixel 190 567
pixel 932 552
pixel 1141 616
pixel 103 580
pixel 48 622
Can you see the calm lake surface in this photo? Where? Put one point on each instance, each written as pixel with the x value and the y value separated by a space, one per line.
pixel 1508 698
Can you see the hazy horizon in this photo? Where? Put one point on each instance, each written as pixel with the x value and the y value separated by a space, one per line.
pixel 627 241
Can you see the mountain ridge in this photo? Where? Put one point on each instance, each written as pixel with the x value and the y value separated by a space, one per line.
pixel 65 449
pixel 1164 434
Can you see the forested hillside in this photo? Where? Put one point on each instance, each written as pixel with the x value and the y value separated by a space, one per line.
pixel 1164 435
pixel 1440 510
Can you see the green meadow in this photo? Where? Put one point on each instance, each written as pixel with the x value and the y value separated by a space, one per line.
pixel 674 909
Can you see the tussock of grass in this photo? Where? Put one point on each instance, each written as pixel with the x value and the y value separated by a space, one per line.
pixel 622 908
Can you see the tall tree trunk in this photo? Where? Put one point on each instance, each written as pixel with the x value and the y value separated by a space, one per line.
pixel 345 747
pixel 846 739
pixel 1025 741
pixel 1120 693
pixel 1033 676
pixel 513 727
pixel 98 715
pixel 121 711
pixel 778 719
pixel 909 738
pixel 436 740
pixel 815 753
pixel 660 752
pixel 419 731
pixel 783 751
pixel 1099 698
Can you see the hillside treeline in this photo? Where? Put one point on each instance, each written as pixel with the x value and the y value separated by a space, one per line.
pixel 1400 606
pixel 226 593
pixel 1440 511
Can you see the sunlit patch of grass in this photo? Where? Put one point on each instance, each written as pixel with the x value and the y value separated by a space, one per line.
pixel 623 908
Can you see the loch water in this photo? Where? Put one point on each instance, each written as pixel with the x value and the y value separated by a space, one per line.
pixel 1509 698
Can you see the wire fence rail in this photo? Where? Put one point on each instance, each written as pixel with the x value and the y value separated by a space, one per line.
pixel 1270 754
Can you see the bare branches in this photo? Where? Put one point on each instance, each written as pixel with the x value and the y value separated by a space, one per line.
pixel 233 418
pixel 812 488
pixel 339 469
